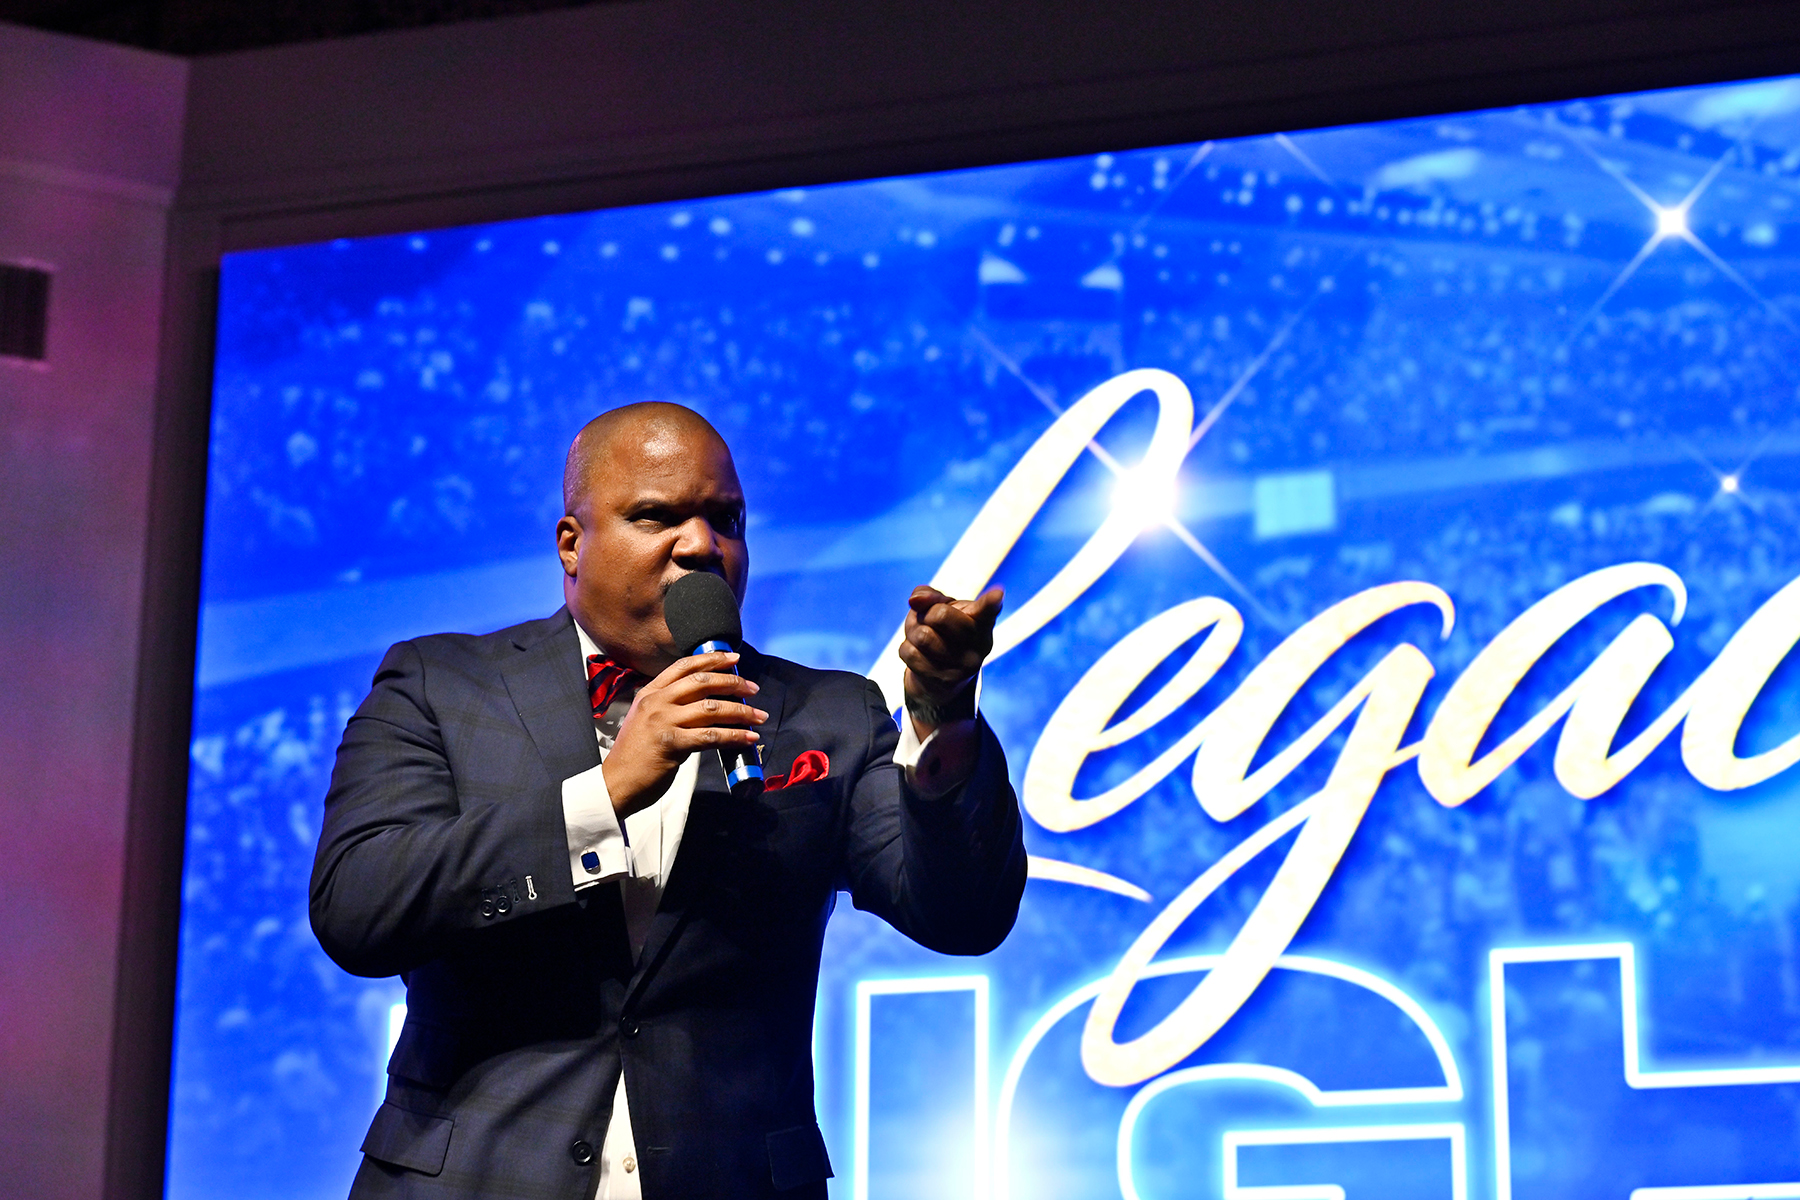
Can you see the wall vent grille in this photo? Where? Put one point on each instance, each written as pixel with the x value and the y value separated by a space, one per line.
pixel 24 311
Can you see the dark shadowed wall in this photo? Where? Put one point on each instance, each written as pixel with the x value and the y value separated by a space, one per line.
pixel 90 139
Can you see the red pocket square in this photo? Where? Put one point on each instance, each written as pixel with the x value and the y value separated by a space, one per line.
pixel 808 767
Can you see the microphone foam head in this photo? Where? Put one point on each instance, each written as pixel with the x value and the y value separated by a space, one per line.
pixel 700 608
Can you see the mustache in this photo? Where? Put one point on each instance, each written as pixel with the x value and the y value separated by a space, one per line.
pixel 719 571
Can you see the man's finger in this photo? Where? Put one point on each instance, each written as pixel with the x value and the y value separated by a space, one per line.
pixel 955 655
pixel 928 642
pixel 714 711
pixel 706 683
pixel 947 618
pixel 707 736
pixel 920 663
pixel 681 668
pixel 924 597
pixel 985 608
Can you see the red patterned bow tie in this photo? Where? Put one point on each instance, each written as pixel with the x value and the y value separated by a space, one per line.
pixel 605 678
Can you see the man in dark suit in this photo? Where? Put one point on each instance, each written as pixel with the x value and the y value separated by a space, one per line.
pixel 610 962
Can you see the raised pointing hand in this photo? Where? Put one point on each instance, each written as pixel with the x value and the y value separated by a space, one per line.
pixel 946 641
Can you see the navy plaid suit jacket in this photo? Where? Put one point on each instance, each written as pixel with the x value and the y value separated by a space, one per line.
pixel 443 858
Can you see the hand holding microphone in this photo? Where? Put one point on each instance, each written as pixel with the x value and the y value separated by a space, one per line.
pixel 699 703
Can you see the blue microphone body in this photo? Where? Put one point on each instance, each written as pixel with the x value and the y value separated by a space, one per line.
pixel 742 764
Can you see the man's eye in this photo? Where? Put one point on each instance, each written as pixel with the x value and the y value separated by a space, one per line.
pixel 729 524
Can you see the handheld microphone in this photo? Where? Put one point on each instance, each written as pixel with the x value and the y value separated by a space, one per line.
pixel 703 614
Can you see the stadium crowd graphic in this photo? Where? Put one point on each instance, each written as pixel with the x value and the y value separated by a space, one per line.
pixel 1450 290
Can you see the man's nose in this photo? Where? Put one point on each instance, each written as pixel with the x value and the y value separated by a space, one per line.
pixel 698 543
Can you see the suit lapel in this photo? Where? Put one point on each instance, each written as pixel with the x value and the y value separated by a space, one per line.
pixel 544 680
pixel 710 819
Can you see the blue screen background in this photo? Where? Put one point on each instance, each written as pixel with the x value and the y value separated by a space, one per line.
pixel 1452 350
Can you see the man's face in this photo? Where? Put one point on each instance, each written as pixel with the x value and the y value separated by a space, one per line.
pixel 663 500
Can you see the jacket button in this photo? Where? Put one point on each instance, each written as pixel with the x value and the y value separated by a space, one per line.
pixel 629 1027
pixel 582 1153
pixel 503 905
pixel 487 908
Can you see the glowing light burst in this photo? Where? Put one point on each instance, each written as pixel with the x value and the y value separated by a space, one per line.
pixel 1731 483
pixel 1106 459
pixel 1151 501
pixel 1166 516
pixel 1670 223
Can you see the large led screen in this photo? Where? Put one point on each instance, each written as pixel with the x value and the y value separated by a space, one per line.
pixel 1400 526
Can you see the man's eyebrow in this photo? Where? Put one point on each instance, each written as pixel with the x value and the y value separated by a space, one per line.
pixel 673 504
pixel 655 498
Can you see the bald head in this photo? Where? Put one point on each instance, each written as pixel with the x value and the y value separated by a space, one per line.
pixel 650 494
pixel 633 427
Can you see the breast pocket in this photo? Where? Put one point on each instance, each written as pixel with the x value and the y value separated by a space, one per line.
pixel 774 852
pixel 799 822
pixel 798 795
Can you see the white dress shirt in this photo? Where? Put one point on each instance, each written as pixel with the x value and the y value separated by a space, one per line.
pixel 640 854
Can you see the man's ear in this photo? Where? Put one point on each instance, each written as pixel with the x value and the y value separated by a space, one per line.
pixel 568 543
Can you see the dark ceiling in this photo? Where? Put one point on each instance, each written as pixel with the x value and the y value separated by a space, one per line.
pixel 216 26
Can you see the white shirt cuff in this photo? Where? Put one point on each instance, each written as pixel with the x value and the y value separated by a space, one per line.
pixel 597 849
pixel 942 762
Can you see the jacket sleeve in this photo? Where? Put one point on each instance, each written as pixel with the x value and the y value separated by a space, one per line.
pixel 947 871
pixel 405 868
